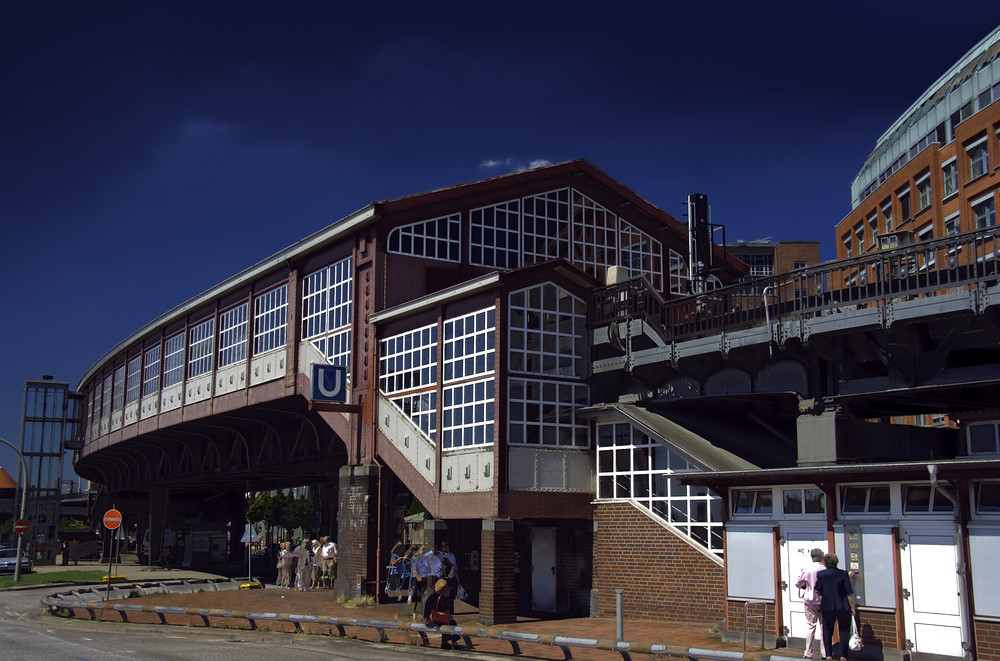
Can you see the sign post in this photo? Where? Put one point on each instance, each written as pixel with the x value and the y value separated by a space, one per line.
pixel 112 519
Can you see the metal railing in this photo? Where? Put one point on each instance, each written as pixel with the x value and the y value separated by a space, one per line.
pixel 92 601
pixel 968 261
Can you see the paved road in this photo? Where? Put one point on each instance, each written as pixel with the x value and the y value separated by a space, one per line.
pixel 28 634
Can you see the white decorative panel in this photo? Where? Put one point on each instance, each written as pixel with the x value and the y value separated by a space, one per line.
pixel 149 406
pixel 231 378
pixel 467 470
pixel 407 438
pixel 750 562
pixel 171 397
pixel 198 389
pixel 537 469
pixel 116 420
pixel 132 413
pixel 267 366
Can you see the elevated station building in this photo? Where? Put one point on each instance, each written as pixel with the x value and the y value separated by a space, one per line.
pixel 462 319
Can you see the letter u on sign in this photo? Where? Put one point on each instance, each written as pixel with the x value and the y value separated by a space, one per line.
pixel 329 383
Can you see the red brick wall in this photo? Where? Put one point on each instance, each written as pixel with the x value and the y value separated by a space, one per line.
pixel 736 610
pixel 497 596
pixel 357 528
pixel 987 640
pixel 878 628
pixel 662 576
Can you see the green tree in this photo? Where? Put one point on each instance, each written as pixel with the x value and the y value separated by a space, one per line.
pixel 298 513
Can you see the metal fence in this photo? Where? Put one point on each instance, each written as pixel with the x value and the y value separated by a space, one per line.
pixel 967 261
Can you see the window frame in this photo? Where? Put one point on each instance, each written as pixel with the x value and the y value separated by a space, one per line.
pixel 979 162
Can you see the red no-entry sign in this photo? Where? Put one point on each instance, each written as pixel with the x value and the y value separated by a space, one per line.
pixel 21 526
pixel 112 519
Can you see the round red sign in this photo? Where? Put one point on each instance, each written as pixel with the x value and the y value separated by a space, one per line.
pixel 22 526
pixel 112 519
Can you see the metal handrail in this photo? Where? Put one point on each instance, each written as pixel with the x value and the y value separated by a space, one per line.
pixel 968 261
pixel 60 603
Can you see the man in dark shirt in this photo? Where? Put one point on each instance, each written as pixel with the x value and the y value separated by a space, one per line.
pixel 833 586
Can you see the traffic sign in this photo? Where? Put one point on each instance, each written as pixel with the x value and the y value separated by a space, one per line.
pixel 112 519
pixel 21 526
pixel 329 383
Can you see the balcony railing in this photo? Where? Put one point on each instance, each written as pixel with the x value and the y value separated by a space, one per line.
pixel 968 261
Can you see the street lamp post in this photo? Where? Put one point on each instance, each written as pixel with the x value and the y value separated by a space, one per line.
pixel 24 498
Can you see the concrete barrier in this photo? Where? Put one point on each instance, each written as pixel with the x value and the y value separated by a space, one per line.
pixel 92 602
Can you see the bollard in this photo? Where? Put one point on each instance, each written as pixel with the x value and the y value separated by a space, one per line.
pixel 619 624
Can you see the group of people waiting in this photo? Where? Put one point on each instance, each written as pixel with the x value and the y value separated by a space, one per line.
pixel 828 597
pixel 430 575
pixel 310 565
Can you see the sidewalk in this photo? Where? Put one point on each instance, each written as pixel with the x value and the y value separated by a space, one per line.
pixel 132 571
pixel 322 603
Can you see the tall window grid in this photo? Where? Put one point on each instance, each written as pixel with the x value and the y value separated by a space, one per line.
pixel 438 238
pixel 94 411
pixel 678 273
pixel 545 227
pixel 494 235
pixel 595 236
pixel 547 327
pixel 631 465
pixel 119 389
pixel 202 345
pixel 326 310
pixel 233 335
pixel 133 380
pixel 544 413
pixel 270 315
pixel 566 224
pixel 642 255
pixel 173 360
pixel 468 414
pixel 421 408
pixel 106 399
pixel 408 361
pixel 151 371
pixel 469 345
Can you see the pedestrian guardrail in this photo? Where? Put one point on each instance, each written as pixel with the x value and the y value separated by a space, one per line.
pixel 59 604
pixel 968 262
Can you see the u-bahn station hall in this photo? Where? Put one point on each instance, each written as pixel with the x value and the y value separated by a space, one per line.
pixel 472 323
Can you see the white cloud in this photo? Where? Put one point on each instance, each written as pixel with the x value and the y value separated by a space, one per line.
pixel 513 164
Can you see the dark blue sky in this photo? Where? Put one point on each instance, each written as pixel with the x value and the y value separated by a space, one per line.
pixel 150 150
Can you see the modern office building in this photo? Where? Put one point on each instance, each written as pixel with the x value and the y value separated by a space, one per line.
pixel 462 320
pixel 936 171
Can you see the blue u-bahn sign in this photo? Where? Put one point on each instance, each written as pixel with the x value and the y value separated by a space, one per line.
pixel 329 383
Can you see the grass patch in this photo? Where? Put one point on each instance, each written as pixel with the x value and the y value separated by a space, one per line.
pixel 364 601
pixel 36 578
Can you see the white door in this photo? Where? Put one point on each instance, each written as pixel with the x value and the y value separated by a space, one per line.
pixel 543 569
pixel 794 558
pixel 931 592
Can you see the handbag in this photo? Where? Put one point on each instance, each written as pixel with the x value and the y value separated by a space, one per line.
pixel 855 642
pixel 439 617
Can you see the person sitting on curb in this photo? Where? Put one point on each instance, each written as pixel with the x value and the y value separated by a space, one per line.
pixel 440 602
